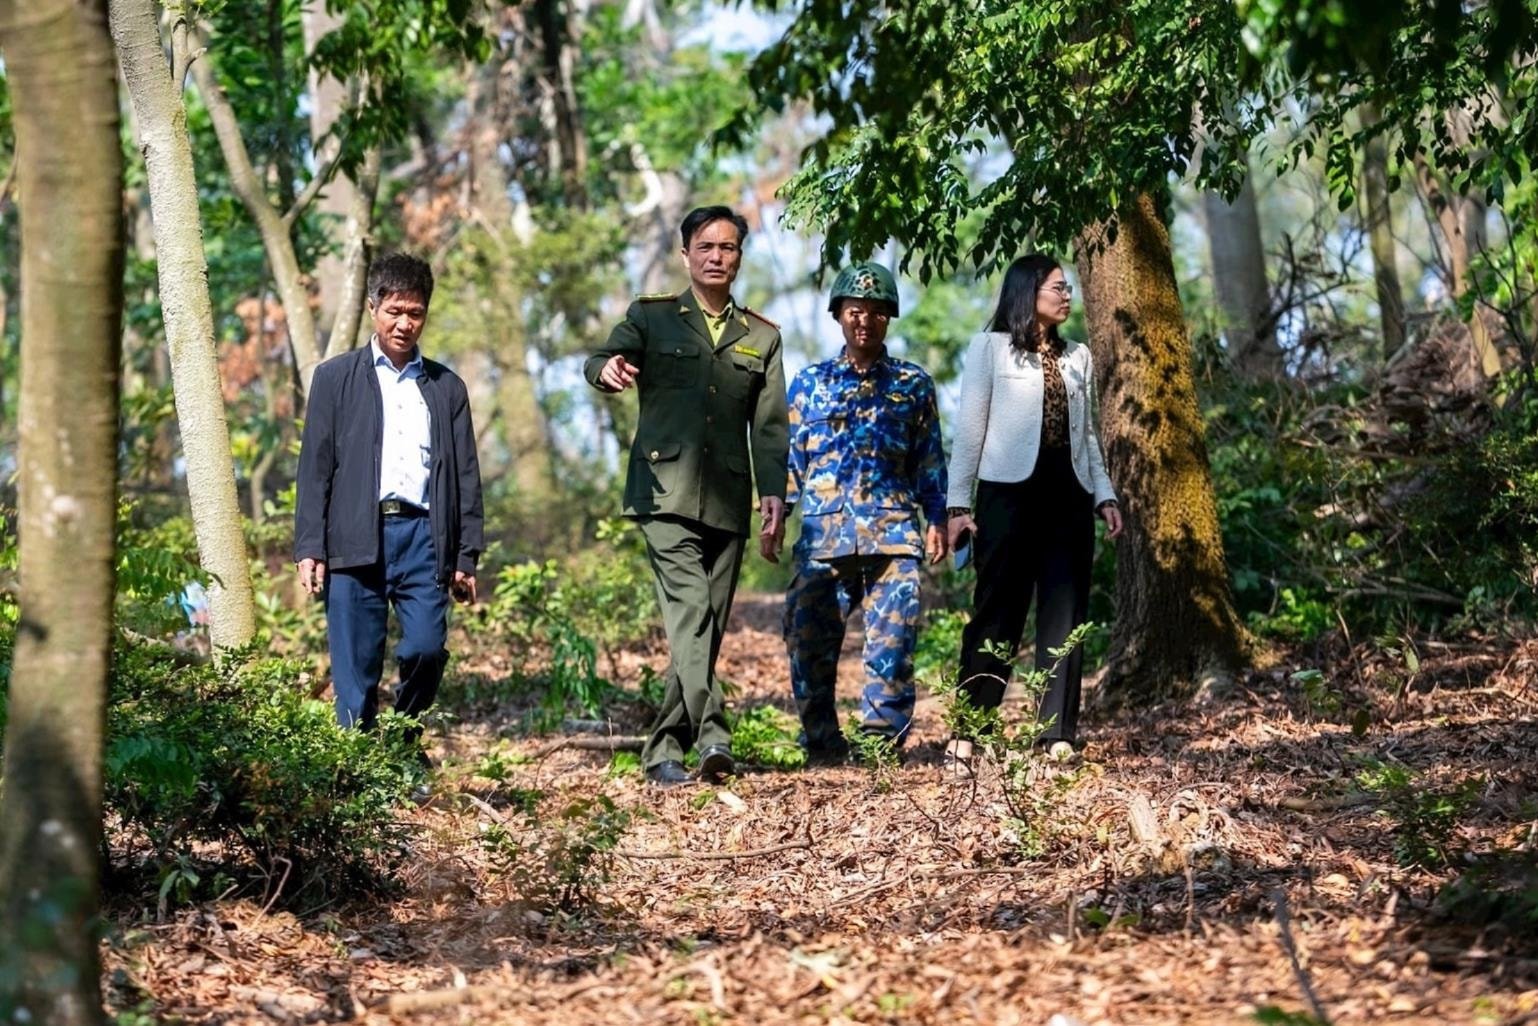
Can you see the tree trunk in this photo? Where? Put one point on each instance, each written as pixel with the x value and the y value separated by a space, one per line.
pixel 1461 220
pixel 340 200
pixel 1380 234
pixel 58 60
pixel 357 250
pixel 270 223
pixel 189 321
pixel 1239 274
pixel 558 61
pixel 523 421
pixel 1176 629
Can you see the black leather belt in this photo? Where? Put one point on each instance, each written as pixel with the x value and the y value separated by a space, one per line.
pixel 397 508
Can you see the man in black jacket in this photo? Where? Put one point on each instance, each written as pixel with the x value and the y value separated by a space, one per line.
pixel 389 504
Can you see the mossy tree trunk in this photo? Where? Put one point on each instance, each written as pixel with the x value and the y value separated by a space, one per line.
pixel 1176 629
pixel 58 59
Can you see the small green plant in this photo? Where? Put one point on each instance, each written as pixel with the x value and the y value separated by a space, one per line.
pixel 1011 746
pixel 558 862
pixel 876 752
pixel 766 736
pixel 1271 1015
pixel 1425 820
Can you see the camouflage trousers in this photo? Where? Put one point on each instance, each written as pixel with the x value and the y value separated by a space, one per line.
pixel 820 599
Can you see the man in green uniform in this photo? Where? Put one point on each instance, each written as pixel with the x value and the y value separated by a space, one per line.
pixel 712 395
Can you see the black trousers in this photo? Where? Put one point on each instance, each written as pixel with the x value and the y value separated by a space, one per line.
pixel 1034 537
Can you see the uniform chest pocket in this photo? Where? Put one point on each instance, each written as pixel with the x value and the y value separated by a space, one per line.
pixel 821 434
pixel 672 366
pixel 739 374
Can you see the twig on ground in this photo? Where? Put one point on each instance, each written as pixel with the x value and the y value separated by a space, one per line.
pixel 612 743
pixel 1335 804
pixel 1283 923
pixel 804 844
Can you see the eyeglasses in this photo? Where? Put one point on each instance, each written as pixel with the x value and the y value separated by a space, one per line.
pixel 1062 288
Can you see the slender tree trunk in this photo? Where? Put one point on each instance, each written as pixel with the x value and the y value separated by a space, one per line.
pixel 357 250
pixel 523 421
pixel 58 60
pixel 1380 234
pixel 189 321
pixel 340 200
pixel 558 60
pixel 270 222
pixel 1239 273
pixel 1176 628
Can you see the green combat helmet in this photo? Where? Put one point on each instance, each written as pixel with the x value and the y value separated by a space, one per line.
pixel 864 281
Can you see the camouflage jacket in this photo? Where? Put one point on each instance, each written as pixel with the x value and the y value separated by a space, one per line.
pixel 865 458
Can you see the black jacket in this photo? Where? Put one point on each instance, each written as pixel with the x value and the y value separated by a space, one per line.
pixel 336 516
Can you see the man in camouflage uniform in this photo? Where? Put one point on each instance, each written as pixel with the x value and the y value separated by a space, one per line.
pixel 865 457
pixel 712 406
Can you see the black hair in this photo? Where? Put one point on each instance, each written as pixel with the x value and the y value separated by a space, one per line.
pixel 399 274
pixel 699 217
pixel 1016 313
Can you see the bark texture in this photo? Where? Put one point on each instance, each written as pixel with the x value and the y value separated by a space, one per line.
pixel 1176 629
pixel 339 200
pixel 1239 275
pixel 58 59
pixel 182 269
pixel 1380 234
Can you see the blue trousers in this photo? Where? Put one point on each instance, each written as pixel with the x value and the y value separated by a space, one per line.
pixel 818 603
pixel 357 607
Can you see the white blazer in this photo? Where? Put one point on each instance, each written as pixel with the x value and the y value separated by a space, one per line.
pixel 998 433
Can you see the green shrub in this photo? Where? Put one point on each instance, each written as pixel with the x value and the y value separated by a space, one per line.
pixel 766 736
pixel 238 757
pixel 557 860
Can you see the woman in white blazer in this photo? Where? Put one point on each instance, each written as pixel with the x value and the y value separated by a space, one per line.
pixel 1026 441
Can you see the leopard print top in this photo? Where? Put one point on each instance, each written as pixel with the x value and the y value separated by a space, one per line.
pixel 1054 404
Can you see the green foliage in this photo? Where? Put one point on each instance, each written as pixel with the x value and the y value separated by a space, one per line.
pixel 1413 63
pixel 934 654
pixel 240 757
pixel 876 752
pixel 154 565
pixel 1271 1015
pixel 1424 819
pixel 1009 746
pixel 558 860
pixel 766 736
pixel 1096 103
pixel 564 613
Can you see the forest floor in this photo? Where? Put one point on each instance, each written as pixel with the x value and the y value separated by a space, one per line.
pixel 1238 862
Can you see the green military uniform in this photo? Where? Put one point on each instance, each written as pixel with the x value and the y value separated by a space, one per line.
pixel 712 395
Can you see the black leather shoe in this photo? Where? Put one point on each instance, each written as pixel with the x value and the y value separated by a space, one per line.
pixel 668 773
pixel 716 763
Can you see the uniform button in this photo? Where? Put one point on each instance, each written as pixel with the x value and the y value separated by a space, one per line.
pixel 709 419
pixel 679 351
pixel 712 389
pixel 655 454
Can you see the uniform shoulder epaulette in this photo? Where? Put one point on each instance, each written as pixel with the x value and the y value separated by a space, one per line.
pixel 755 313
pixel 656 297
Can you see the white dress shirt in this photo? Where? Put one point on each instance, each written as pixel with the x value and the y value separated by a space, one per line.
pixel 998 430
pixel 405 450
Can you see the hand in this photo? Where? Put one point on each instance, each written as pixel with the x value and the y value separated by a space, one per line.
pixel 959 530
pixel 936 546
pixel 618 374
pixel 312 575
pixel 463 587
pixel 1111 514
pixel 772 535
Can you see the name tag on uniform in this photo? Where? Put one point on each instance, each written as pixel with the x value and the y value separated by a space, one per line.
pixel 748 351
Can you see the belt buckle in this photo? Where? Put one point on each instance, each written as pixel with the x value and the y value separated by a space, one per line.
pixel 391 507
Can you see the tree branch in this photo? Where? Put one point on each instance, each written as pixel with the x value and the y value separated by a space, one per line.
pixel 276 240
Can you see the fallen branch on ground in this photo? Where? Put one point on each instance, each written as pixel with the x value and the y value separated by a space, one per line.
pixel 612 743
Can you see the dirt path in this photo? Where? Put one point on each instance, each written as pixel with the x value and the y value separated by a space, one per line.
pixel 913 900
